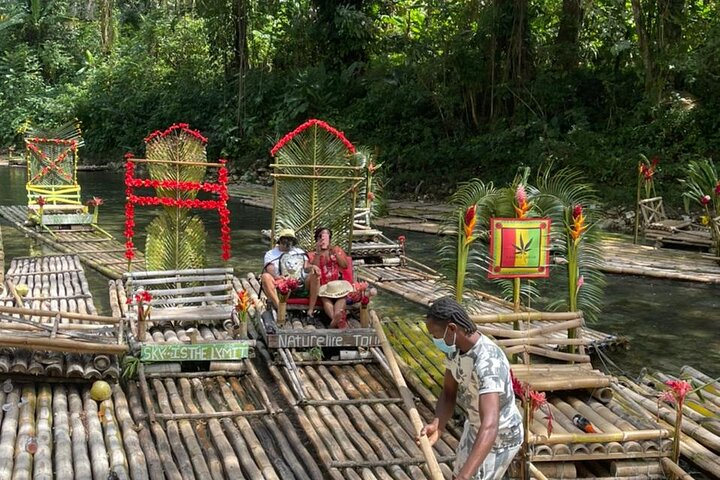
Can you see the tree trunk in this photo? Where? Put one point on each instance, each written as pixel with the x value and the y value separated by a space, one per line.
pixel 107 29
pixel 567 39
pixel 651 82
pixel 241 55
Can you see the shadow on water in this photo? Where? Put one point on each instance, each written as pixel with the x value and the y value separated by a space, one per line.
pixel 670 323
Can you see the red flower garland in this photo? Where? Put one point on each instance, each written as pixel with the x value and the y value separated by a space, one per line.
pixel 287 138
pixel 183 127
pixel 219 188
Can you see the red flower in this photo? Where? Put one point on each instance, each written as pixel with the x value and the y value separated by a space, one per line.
pixel 287 138
pixel 364 300
pixel 95 202
pixel 705 199
pixel 680 389
pixel 40 201
pixel 401 239
pixel 129 156
pixel 717 189
pixel 371 196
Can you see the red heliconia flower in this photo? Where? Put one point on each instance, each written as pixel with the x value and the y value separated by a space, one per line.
pixel 577 211
pixel 705 199
pixel 40 201
pixel 469 222
pixel 517 387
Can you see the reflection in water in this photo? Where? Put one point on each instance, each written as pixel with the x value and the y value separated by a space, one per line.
pixel 670 323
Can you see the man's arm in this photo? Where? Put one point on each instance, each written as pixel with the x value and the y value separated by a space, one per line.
pixel 444 409
pixel 489 405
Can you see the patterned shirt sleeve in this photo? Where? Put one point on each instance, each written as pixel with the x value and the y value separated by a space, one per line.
pixel 489 372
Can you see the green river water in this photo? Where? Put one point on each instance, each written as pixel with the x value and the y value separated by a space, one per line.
pixel 669 323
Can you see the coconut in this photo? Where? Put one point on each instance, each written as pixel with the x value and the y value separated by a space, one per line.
pixel 100 391
pixel 22 289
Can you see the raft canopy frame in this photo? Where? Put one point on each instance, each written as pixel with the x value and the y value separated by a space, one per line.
pixel 52 176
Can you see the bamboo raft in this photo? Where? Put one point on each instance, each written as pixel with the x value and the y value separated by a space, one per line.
pixel 98 251
pixel 622 438
pixel 55 329
pixel 624 258
pixel 700 438
pixel 423 288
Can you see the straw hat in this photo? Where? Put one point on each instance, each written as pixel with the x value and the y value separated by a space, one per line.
pixel 286 232
pixel 336 289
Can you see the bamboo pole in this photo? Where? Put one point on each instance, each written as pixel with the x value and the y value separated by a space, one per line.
pixel 61 345
pixel 61 435
pixel 24 450
pixel 433 467
pixel 43 463
pixel 95 438
pixel 78 420
pixel 64 314
pixel 157 451
pixel 136 459
pixel 170 401
pixel 674 470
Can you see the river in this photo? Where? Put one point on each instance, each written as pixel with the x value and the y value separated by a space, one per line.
pixel 669 323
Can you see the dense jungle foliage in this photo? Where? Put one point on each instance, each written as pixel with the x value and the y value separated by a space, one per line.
pixel 441 90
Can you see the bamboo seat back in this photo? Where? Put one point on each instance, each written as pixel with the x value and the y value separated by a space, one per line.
pixel 655 218
pixel 317 177
pixel 186 296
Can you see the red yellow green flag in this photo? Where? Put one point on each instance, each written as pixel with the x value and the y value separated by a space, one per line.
pixel 519 247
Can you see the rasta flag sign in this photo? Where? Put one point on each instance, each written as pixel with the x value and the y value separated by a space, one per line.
pixel 519 247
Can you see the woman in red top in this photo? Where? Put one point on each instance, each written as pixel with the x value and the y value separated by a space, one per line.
pixel 328 261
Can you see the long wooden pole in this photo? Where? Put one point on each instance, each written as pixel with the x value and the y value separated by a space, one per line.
pixel 433 467
pixel 526 316
pixel 62 345
pixel 48 313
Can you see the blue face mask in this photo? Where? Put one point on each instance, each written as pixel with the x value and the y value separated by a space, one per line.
pixel 443 346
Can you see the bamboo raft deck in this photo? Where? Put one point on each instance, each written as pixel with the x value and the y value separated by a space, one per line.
pixel 348 405
pixel 624 258
pixel 625 446
pixel 106 255
pixel 423 288
pixel 57 310
pixel 700 438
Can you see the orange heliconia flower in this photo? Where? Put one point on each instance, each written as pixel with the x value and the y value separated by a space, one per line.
pixel 578 226
pixel 243 301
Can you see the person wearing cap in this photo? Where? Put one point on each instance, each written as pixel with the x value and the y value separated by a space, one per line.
pixel 279 263
pixel 328 261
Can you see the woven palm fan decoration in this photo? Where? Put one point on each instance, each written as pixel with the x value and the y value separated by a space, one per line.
pixel 52 157
pixel 317 178
pixel 177 163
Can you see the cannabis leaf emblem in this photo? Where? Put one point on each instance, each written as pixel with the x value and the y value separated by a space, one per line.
pixel 523 248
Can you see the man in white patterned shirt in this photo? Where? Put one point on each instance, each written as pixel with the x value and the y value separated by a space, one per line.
pixel 477 378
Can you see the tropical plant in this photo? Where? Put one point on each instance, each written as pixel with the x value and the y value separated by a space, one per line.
pixel 702 186
pixel 176 238
pixel 463 249
pixel 570 202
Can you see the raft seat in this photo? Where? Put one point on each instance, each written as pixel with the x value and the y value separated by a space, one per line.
pixel 298 303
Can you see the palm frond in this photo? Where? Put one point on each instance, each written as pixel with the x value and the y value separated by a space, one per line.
pixel 175 241
pixel 312 190
pixel 178 146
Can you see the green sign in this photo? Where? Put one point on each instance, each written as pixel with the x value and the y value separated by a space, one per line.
pixel 198 352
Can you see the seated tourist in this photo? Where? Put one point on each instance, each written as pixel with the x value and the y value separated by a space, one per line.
pixel 287 260
pixel 329 261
